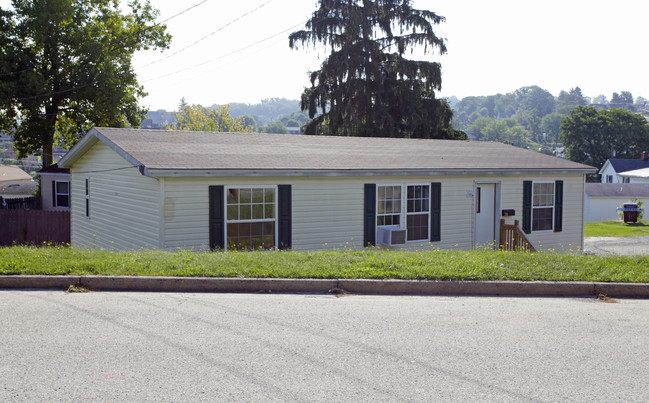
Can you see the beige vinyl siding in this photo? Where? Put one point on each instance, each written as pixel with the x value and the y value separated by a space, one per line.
pixel 328 212
pixel 458 205
pixel 124 205
pixel 570 239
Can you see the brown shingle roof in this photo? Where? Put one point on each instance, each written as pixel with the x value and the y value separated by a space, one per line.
pixel 177 150
pixel 617 189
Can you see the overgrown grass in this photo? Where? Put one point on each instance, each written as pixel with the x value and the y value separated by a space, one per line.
pixel 365 264
pixel 616 229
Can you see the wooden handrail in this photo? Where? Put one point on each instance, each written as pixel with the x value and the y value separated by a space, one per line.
pixel 513 238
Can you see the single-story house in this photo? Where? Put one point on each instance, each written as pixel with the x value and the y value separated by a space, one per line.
pixel 612 169
pixel 55 188
pixel 133 188
pixel 603 199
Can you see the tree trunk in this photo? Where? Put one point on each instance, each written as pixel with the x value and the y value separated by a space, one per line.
pixel 47 139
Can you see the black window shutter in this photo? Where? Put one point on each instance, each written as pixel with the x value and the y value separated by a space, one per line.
pixel 435 211
pixel 527 207
pixel 53 193
pixel 558 206
pixel 284 220
pixel 217 218
pixel 369 217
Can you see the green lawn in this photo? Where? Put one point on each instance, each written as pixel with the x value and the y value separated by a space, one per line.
pixel 616 228
pixel 365 264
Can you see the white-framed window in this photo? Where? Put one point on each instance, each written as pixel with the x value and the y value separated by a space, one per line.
pixel 418 212
pixel 62 193
pixel 406 206
pixel 542 206
pixel 251 217
pixel 388 205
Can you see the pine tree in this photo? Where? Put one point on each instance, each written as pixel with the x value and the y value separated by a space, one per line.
pixel 366 87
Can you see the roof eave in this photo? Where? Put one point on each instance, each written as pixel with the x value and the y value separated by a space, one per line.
pixel 164 172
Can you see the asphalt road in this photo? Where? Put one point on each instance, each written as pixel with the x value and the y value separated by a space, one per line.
pixel 625 246
pixel 260 347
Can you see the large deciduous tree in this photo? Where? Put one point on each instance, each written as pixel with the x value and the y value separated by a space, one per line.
pixel 592 136
pixel 218 119
pixel 65 66
pixel 366 87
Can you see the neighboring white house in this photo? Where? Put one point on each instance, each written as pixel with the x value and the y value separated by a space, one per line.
pixel 613 169
pixel 636 176
pixel 168 189
pixel 603 199
pixel 55 188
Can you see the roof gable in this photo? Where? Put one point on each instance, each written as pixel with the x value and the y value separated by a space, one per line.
pixel 152 150
pixel 623 165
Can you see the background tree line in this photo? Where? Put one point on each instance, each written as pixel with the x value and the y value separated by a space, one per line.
pixel 530 116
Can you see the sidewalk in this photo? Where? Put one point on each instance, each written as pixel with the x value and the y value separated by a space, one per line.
pixel 369 287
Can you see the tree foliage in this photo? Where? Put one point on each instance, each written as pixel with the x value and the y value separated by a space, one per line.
pixel 65 66
pixel 566 101
pixel 366 87
pixel 198 118
pixel 592 136
pixel 503 130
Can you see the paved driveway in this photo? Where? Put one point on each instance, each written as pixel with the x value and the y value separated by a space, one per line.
pixel 625 246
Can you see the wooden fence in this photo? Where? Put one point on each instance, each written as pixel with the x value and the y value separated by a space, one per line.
pixel 19 203
pixel 34 227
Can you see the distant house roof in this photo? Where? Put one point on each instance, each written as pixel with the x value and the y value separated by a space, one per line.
pixel 18 188
pixel 164 153
pixel 617 189
pixel 54 169
pixel 623 165
pixel 636 173
pixel 11 173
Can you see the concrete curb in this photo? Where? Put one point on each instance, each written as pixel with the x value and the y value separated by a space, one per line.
pixel 370 287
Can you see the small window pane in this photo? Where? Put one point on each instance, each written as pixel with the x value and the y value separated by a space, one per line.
pixel 62 201
pixel 233 230
pixel 268 228
pixel 62 187
pixel 233 196
pixel 233 212
pixel 257 195
pixel 269 211
pixel 245 212
pixel 245 195
pixel 269 195
pixel 257 211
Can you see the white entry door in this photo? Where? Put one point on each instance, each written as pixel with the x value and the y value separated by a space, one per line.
pixel 485 215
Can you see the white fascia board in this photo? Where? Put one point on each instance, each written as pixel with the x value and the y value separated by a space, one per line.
pixel 156 172
pixel 89 140
pixel 606 164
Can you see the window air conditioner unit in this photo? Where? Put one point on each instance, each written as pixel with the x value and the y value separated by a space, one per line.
pixel 392 235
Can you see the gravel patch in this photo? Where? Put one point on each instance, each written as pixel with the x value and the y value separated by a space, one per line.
pixel 623 246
